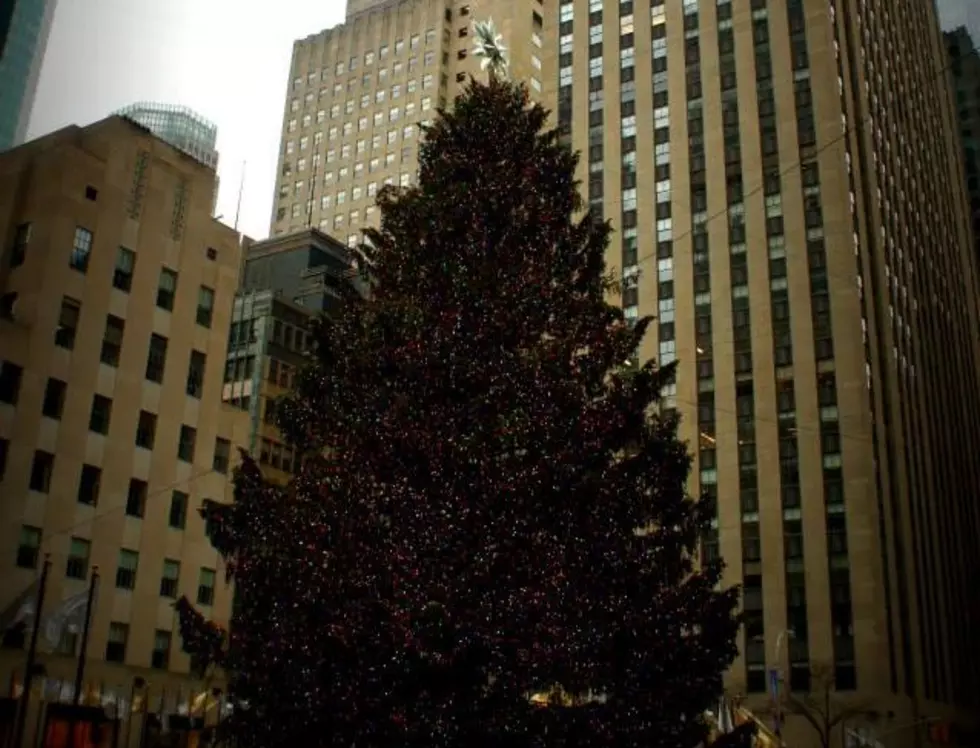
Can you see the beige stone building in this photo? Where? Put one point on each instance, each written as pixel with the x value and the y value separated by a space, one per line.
pixel 783 180
pixel 116 287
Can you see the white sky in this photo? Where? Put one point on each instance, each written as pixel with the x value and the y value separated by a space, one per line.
pixel 226 59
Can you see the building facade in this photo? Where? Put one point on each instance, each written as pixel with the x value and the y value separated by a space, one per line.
pixel 964 68
pixel 24 29
pixel 783 181
pixel 358 92
pixel 286 282
pixel 116 288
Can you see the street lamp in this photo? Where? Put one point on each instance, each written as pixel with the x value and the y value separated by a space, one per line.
pixel 776 677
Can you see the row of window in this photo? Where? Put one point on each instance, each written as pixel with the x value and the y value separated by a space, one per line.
pixel 122 276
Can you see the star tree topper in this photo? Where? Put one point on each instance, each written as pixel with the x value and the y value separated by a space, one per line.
pixel 489 46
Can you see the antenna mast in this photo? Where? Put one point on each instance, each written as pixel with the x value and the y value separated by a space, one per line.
pixel 241 189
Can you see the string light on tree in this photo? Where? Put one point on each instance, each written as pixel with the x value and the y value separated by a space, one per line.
pixel 465 530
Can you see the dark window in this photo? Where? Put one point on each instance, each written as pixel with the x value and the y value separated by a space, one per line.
pixel 78 557
pixel 170 578
pixel 112 340
pixel 195 374
pixel 64 335
pixel 89 485
pixel 101 414
pixel 146 430
pixel 115 648
pixel 122 276
pixel 160 657
pixel 185 447
pixel 178 509
pixel 91 193
pixel 10 378
pixel 4 451
pixel 205 306
pixel 29 548
pixel 126 570
pixel 81 249
pixel 222 455
pixel 18 252
pixel 41 469
pixel 167 289
pixel 156 360
pixel 205 587
pixel 54 399
pixel 136 498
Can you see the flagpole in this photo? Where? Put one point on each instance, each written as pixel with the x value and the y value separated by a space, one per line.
pixel 20 720
pixel 82 654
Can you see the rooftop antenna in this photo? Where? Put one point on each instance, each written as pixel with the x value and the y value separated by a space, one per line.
pixel 241 189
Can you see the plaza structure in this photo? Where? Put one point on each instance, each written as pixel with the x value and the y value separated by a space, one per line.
pixel 784 182
pixel 24 29
pixel 116 294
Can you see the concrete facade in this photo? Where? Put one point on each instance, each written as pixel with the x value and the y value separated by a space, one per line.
pixel 784 183
pixel 117 288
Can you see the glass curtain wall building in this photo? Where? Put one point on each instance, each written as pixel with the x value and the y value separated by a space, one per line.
pixel 24 29
pixel 179 126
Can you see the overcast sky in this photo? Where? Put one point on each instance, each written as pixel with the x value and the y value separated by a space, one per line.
pixel 226 59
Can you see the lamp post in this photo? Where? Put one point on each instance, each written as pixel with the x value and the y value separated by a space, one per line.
pixel 776 677
pixel 138 684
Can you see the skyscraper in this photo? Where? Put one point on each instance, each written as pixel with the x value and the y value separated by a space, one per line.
pixel 964 66
pixel 357 93
pixel 784 185
pixel 24 28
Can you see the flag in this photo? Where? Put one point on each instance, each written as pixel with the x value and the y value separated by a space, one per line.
pixel 21 610
pixel 68 617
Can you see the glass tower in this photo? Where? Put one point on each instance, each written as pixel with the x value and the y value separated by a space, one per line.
pixel 179 126
pixel 24 27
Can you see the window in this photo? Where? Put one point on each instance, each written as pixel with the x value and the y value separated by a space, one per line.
pixel 4 449
pixel 89 485
pixel 160 657
pixel 29 548
pixel 222 454
pixel 10 378
pixel 122 276
pixel 195 374
pixel 205 587
pixel 54 399
pixel 170 578
pixel 98 420
pixel 112 341
pixel 156 359
pixel 136 498
pixel 67 330
pixel 79 552
pixel 205 306
pixel 18 252
pixel 166 289
pixel 81 249
pixel 178 509
pixel 126 570
pixel 41 469
pixel 115 648
pixel 185 447
pixel 146 430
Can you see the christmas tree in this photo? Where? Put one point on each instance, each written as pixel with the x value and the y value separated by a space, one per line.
pixel 490 542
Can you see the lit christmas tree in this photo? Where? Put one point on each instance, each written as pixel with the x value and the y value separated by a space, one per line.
pixel 490 543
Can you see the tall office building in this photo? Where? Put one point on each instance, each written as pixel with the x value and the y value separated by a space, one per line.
pixel 964 67
pixel 24 29
pixel 116 294
pixel 783 180
pixel 287 280
pixel 784 184
pixel 357 93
